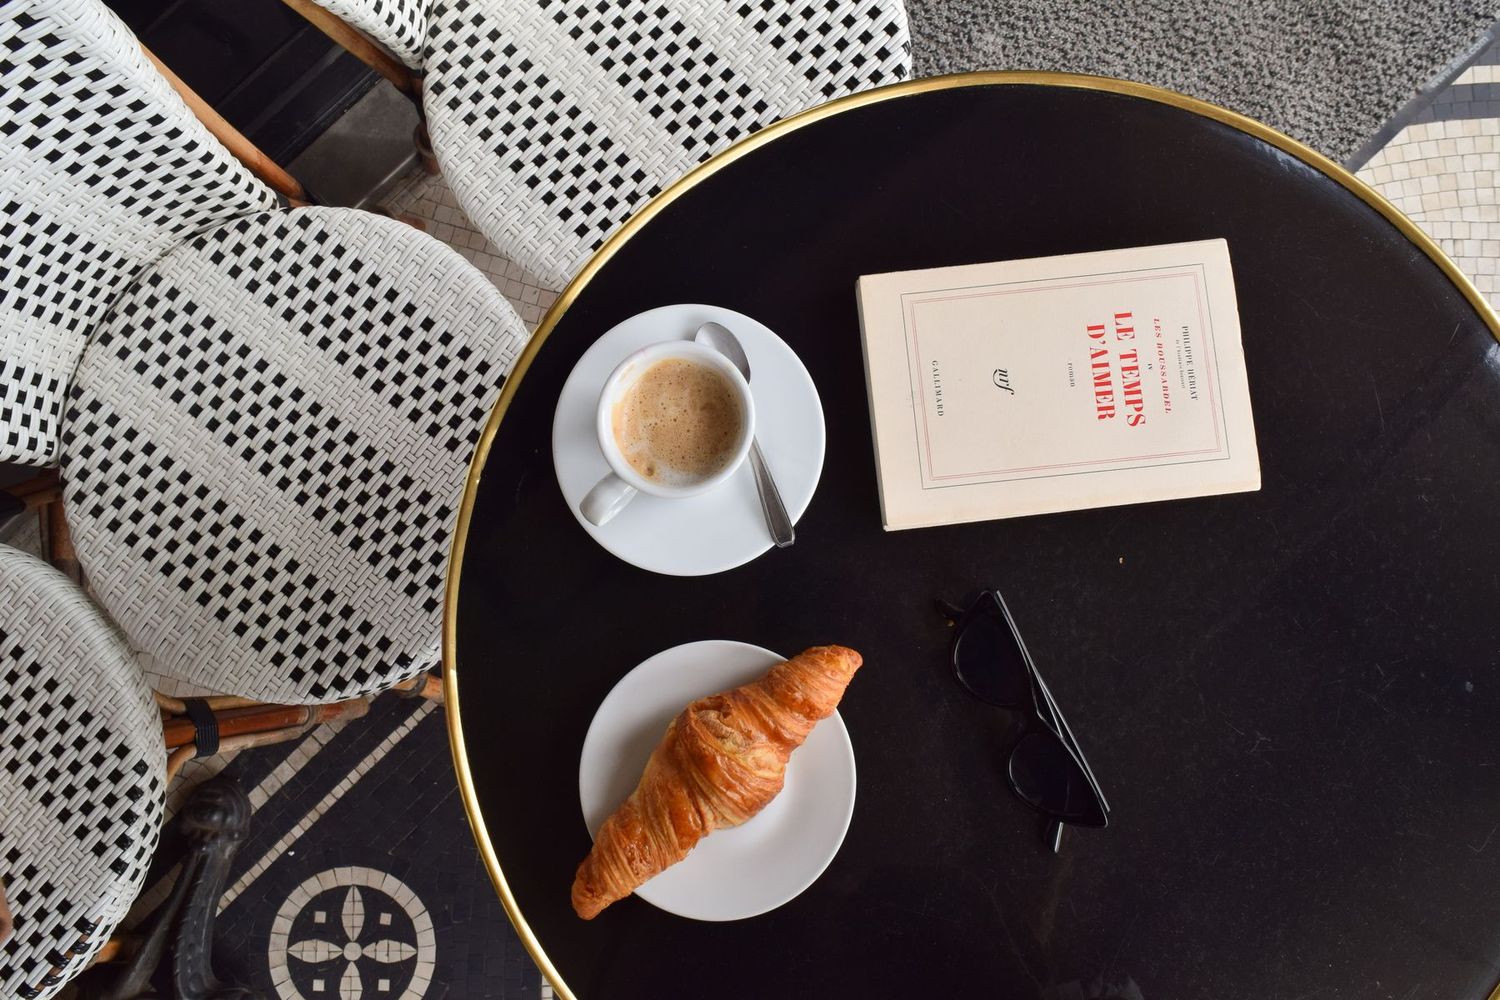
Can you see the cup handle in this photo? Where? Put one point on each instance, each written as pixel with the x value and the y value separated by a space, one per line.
pixel 608 497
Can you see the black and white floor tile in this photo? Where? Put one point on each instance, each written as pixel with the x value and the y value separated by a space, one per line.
pixel 1443 171
pixel 359 879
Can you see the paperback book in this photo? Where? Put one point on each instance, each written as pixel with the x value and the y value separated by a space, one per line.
pixel 1058 383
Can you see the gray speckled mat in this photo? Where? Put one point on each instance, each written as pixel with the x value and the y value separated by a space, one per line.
pixel 1327 73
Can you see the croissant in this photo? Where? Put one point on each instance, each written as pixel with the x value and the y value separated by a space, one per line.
pixel 722 760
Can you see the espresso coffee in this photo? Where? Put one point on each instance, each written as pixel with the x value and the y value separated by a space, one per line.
pixel 679 423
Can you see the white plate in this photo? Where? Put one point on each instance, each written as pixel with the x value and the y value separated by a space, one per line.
pixel 721 529
pixel 744 870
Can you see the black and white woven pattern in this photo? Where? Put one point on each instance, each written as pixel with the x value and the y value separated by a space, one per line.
pixel 266 443
pixel 82 766
pixel 554 120
pixel 399 25
pixel 102 169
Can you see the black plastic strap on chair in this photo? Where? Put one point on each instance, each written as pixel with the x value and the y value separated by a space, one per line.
pixel 205 726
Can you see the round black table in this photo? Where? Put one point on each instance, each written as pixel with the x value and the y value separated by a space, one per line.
pixel 1291 697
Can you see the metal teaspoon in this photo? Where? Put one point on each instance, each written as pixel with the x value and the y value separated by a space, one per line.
pixel 720 339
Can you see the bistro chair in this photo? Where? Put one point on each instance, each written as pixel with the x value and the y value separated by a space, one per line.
pixel 82 776
pixel 269 412
pixel 102 170
pixel 84 766
pixel 265 445
pixel 263 418
pixel 554 122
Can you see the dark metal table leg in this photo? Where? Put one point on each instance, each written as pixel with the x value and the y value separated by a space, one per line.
pixel 214 819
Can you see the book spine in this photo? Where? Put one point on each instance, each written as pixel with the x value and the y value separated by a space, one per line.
pixel 864 344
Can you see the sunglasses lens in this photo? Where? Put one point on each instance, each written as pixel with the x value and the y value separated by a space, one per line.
pixel 989 662
pixel 1046 775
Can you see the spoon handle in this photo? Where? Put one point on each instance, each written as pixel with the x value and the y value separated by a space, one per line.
pixel 777 519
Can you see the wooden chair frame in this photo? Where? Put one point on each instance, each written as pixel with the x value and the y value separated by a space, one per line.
pixel 256 161
pixel 376 56
pixel 362 47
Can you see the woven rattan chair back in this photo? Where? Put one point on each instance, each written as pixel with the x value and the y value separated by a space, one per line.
pixel 102 170
pixel 265 447
pixel 555 122
pixel 81 776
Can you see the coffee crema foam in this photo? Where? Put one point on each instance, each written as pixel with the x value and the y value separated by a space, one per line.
pixel 678 424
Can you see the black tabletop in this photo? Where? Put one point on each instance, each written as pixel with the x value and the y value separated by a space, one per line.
pixel 1291 697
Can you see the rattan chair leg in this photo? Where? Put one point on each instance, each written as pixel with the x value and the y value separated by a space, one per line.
pixel 37 495
pixel 359 45
pixel 424 685
pixel 118 947
pixel 409 220
pixel 57 543
pixel 36 492
pixel 218 702
pixel 423 142
pixel 260 719
pixel 179 757
pixel 244 150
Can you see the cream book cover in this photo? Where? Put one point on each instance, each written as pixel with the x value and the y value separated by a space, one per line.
pixel 1059 383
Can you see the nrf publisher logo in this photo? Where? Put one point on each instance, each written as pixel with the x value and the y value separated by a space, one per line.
pixel 1000 376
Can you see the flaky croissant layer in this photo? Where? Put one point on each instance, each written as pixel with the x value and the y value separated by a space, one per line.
pixel 721 761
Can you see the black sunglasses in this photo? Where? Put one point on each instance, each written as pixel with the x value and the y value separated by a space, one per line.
pixel 1046 770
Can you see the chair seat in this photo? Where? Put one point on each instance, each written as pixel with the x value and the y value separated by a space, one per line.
pixel 265 445
pixel 554 120
pixel 82 772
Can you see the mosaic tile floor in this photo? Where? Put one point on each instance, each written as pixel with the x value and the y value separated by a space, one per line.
pixel 360 878
pixel 359 838
pixel 428 201
pixel 1443 171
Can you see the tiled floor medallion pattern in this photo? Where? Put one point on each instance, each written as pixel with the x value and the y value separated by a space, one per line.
pixel 355 934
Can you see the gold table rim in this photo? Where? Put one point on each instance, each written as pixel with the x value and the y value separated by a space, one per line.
pixel 711 166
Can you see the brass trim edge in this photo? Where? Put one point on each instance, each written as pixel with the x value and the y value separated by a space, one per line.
pixel 704 170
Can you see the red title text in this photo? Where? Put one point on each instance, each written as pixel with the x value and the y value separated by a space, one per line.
pixel 1116 375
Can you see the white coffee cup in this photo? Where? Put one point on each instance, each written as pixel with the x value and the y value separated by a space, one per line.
pixel 610 494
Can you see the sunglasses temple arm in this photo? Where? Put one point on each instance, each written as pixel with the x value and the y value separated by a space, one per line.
pixel 1064 730
pixel 1067 732
pixel 1052 835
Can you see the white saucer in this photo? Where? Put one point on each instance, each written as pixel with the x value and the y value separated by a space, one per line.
pixel 721 529
pixel 744 870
